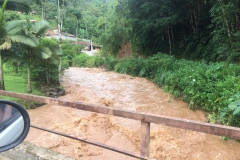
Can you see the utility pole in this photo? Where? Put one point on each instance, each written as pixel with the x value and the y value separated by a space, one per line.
pixel 77 32
pixel 59 36
pixel 42 10
pixel 62 15
pixel 91 47
pixel 59 28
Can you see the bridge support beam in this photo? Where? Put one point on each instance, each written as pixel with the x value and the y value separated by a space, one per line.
pixel 145 139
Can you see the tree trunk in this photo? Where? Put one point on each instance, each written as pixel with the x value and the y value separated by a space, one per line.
pixel 229 30
pixel 227 24
pixel 172 37
pixel 16 69
pixel 183 30
pixel 237 16
pixel 86 30
pixel 42 11
pixel 192 23
pixel 47 74
pixel 83 33
pixel 196 23
pixel 59 25
pixel 62 15
pixel 237 21
pixel 59 69
pixel 77 32
pixel 29 89
pixel 91 46
pixel 193 15
pixel 169 41
pixel 2 87
pixel 105 24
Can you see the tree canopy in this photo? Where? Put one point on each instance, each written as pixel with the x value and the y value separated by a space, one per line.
pixel 202 29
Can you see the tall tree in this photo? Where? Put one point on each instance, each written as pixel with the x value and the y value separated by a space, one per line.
pixel 9 34
pixel 78 15
pixel 30 53
pixel 157 24
pixel 226 33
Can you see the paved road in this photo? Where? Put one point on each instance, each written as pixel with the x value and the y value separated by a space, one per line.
pixel 28 151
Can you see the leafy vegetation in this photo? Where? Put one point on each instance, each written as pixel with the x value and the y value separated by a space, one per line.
pixel 204 31
pixel 188 29
pixel 213 87
pixel 10 33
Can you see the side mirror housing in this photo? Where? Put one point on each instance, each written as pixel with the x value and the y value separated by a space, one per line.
pixel 14 124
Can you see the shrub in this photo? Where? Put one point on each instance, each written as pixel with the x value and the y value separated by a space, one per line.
pixel 99 61
pixel 154 64
pixel 90 62
pixel 109 62
pixel 80 60
pixel 213 87
pixel 131 66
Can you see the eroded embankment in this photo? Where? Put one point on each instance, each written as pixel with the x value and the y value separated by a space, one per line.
pixel 125 92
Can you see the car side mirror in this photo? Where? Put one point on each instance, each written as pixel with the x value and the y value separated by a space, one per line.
pixel 14 124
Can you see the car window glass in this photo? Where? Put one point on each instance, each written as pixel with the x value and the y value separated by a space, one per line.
pixel 11 124
pixel 6 112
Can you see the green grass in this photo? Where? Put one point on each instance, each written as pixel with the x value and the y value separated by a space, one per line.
pixel 17 83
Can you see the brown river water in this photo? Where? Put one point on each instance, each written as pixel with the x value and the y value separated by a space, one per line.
pixel 96 86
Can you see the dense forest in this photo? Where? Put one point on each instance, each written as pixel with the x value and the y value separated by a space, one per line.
pixel 193 29
pixel 196 29
pixel 187 47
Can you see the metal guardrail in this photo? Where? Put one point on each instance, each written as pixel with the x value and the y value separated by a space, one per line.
pixel 146 119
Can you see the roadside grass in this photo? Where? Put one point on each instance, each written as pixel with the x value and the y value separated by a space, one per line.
pixel 17 83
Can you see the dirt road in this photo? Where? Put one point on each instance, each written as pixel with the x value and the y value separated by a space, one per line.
pixel 125 92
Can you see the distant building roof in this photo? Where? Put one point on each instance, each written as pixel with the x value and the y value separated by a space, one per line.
pixel 85 44
pixel 55 32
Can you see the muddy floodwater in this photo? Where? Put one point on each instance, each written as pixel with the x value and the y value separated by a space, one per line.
pixel 96 86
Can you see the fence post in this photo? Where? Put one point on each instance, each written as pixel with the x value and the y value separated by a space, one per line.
pixel 145 138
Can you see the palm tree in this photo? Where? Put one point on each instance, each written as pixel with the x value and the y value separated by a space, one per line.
pixel 2 34
pixel 78 15
pixel 13 57
pixel 11 33
pixel 33 53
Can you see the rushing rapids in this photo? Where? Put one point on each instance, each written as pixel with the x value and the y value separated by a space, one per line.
pixel 110 89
